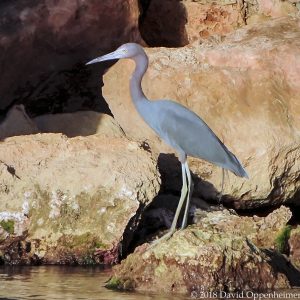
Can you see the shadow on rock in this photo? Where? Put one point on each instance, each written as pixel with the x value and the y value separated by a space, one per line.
pixel 282 264
pixel 153 220
pixel 162 24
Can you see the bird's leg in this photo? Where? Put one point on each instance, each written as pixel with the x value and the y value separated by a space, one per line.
pixel 189 195
pixel 179 206
pixel 184 191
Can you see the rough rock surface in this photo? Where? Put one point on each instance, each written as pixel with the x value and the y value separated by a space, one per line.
pixel 294 244
pixel 207 17
pixel 272 8
pixel 177 23
pixel 49 41
pixel 246 88
pixel 17 122
pixel 79 123
pixel 58 204
pixel 222 252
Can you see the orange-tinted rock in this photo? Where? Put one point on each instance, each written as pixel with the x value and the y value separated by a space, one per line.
pixel 206 18
pixel 175 23
pixel 276 8
pixel 246 88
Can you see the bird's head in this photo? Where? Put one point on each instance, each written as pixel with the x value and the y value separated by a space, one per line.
pixel 128 50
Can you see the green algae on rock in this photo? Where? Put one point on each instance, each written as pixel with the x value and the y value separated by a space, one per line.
pixel 282 238
pixel 65 208
pixel 8 226
pixel 220 252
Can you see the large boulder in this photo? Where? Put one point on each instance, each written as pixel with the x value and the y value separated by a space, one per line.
pixel 49 42
pixel 222 252
pixel 58 204
pixel 246 88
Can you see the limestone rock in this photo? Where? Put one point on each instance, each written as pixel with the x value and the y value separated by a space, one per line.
pixel 79 123
pixel 49 41
pixel 262 231
pixel 173 23
pixel 276 8
pixel 220 253
pixel 63 206
pixel 17 122
pixel 246 88
pixel 207 17
pixel 294 244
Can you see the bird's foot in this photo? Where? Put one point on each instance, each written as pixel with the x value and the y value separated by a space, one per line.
pixel 161 239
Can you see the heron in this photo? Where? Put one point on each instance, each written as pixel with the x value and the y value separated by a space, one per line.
pixel 179 127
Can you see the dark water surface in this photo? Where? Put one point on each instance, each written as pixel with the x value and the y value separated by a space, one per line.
pixel 62 282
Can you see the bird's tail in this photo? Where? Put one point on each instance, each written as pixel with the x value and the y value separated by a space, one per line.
pixel 237 167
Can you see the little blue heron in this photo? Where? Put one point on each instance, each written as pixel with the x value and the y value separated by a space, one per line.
pixel 179 127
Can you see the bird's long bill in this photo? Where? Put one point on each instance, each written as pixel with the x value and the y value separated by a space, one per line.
pixel 109 56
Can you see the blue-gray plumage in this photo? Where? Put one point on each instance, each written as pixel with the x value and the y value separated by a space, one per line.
pixel 179 127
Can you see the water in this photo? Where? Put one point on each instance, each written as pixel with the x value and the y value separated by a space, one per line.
pixel 63 282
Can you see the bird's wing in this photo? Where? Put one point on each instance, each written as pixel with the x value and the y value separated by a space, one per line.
pixel 184 130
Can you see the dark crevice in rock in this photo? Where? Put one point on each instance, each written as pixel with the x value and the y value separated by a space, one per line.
pixel 127 244
pixel 64 91
pixel 295 219
pixel 281 264
pixel 295 201
pixel 162 23
pixel 155 219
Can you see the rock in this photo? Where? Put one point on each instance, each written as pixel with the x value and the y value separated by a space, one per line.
pixel 62 205
pixel 276 8
pixel 17 122
pixel 294 244
pixel 217 254
pixel 246 88
pixel 262 231
pixel 173 23
pixel 163 23
pixel 49 41
pixel 82 123
pixel 269 232
pixel 207 18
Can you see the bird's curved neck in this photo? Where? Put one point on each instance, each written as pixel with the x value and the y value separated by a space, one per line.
pixel 141 65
